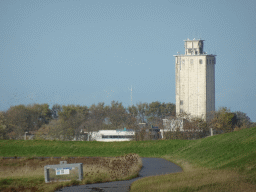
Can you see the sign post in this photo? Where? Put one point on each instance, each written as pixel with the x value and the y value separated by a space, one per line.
pixel 63 172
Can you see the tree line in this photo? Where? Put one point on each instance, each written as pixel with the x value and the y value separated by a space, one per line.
pixel 65 122
pixel 221 121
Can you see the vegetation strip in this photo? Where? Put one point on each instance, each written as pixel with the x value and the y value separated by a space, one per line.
pixel 231 155
pixel 75 122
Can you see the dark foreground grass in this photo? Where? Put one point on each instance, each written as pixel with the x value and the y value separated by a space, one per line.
pixel 31 184
pixel 22 184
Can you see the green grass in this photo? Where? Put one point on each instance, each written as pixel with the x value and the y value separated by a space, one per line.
pixel 225 162
pixel 231 150
pixel 234 151
pixel 30 148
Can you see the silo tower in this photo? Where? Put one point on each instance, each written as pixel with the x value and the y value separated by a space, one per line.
pixel 195 80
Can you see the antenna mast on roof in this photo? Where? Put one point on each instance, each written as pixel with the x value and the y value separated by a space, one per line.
pixel 131 94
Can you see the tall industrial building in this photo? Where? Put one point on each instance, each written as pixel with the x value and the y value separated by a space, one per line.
pixel 195 80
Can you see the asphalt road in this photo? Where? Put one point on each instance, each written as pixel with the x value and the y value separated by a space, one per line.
pixel 151 167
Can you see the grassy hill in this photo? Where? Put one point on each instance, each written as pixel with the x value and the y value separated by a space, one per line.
pixel 231 150
pixel 227 160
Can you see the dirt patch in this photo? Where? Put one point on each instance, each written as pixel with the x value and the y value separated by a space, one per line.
pixel 27 174
pixel 20 189
pixel 121 164
pixel 41 162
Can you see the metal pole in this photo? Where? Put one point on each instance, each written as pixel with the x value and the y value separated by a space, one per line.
pixel 131 95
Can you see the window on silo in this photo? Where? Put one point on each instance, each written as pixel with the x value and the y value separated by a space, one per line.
pixel 181 110
pixel 181 102
pixel 210 61
pixel 191 61
pixel 207 61
pixel 200 61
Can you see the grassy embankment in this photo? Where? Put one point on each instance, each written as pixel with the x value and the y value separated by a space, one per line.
pixel 224 162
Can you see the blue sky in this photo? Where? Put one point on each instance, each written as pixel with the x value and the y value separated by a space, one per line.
pixel 90 51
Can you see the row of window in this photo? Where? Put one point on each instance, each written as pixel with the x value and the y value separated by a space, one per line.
pixel 181 103
pixel 117 136
pixel 208 61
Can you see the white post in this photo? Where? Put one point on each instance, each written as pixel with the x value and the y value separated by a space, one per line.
pixel 25 136
pixel 211 132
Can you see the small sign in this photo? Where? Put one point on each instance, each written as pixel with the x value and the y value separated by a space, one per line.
pixel 62 171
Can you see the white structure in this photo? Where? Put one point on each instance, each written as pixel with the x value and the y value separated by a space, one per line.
pixel 195 81
pixel 173 124
pixel 112 135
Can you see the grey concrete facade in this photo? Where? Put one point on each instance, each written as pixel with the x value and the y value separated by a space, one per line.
pixel 195 80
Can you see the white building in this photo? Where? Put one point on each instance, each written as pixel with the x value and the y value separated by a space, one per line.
pixel 195 81
pixel 112 135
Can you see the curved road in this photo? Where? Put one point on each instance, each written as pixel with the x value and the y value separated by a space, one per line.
pixel 151 167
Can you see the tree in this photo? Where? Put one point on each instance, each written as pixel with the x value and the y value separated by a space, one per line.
pixel 133 111
pixel 21 118
pixel 3 130
pixel 154 109
pixel 117 115
pixel 17 121
pixel 242 120
pixel 71 117
pixel 167 110
pixel 39 114
pixel 223 120
pixel 97 116
pixel 141 135
pixel 195 128
pixel 157 111
pixel 142 109
pixel 154 115
pixel 56 108
pixel 53 130
pixel 253 124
